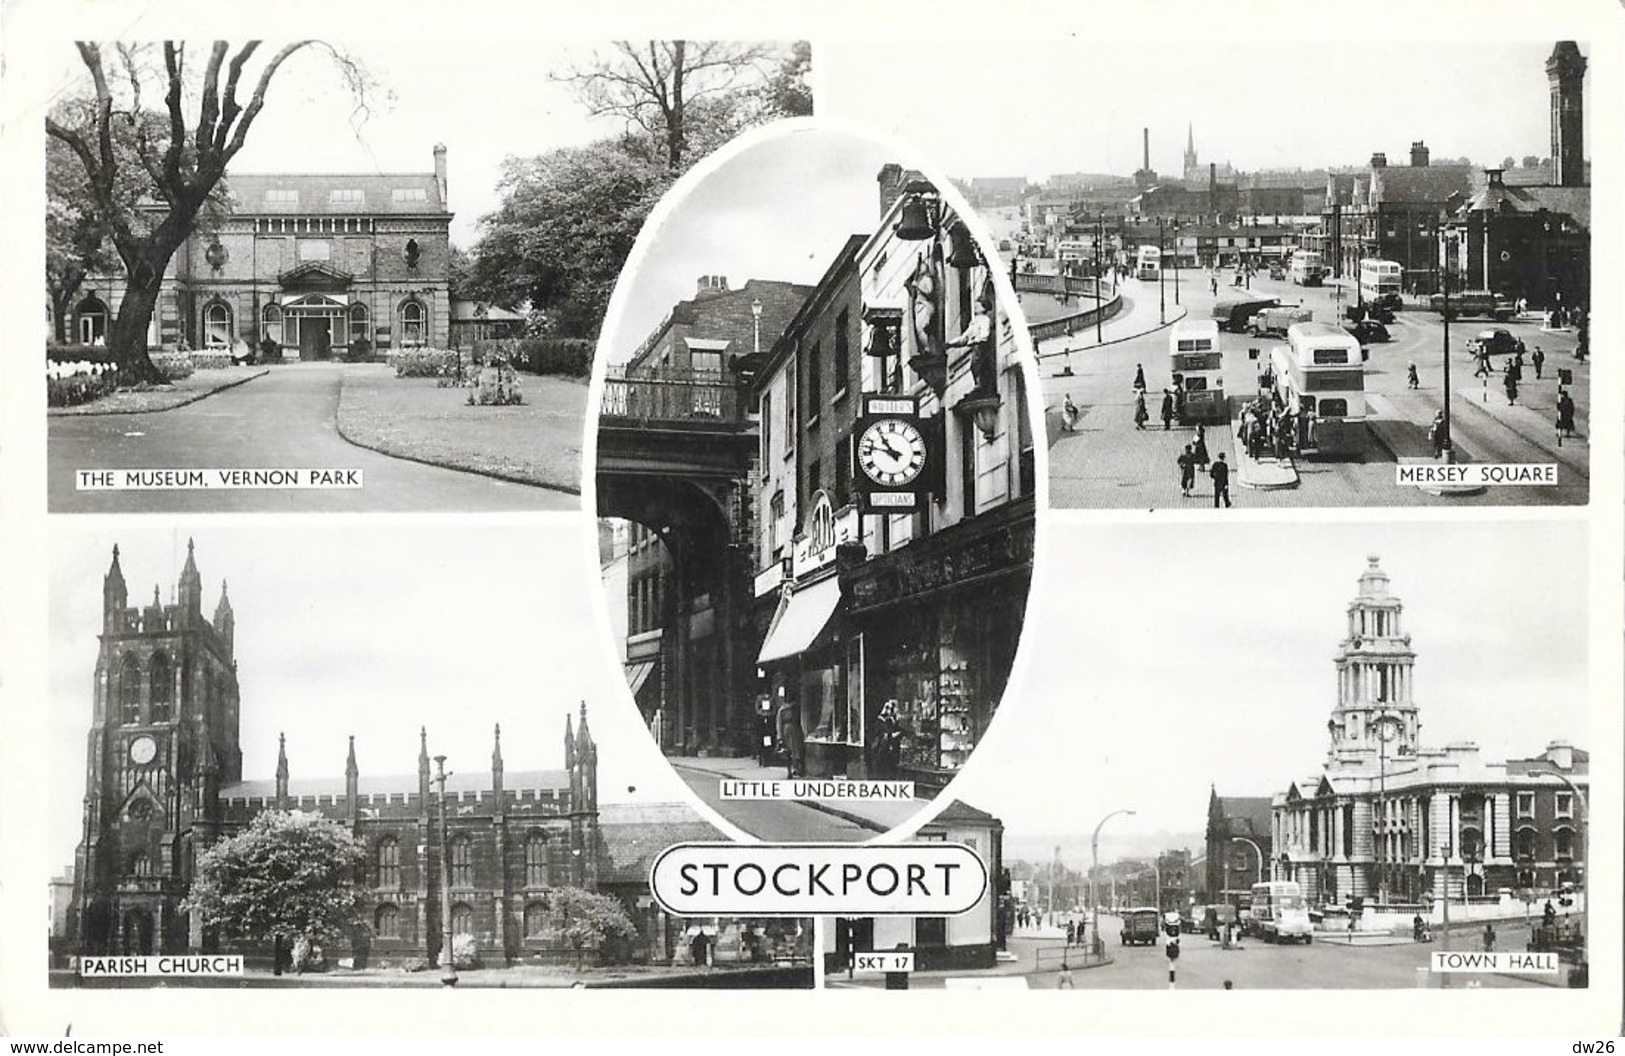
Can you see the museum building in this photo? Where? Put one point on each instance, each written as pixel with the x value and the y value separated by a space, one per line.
pixel 327 266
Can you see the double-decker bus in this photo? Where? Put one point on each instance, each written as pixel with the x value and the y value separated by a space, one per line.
pixel 1379 283
pixel 1197 365
pixel 1305 268
pixel 1148 264
pixel 1320 375
pixel 1280 913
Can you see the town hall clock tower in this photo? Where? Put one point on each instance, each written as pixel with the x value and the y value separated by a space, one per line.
pixel 163 739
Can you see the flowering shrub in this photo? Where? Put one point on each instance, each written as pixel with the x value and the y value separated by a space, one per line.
pixel 173 366
pixel 424 363
pixel 497 384
pixel 213 359
pixel 70 384
pixel 465 952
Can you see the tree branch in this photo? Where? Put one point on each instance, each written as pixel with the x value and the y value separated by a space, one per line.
pixel 209 108
pixel 256 102
pixel 229 107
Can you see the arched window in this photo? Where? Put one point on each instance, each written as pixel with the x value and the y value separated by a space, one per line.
pixel 92 315
pixel 462 919
pixel 535 920
pixel 536 860
pixel 1523 843
pixel 217 325
pixel 161 689
pixel 387 922
pixel 271 323
pixel 140 864
pixel 389 863
pixel 462 863
pixel 358 322
pixel 413 323
pixel 129 690
pixel 1563 842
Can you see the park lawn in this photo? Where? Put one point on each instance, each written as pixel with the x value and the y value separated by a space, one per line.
pixel 195 386
pixel 536 442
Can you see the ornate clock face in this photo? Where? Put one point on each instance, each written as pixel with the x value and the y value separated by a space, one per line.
pixel 891 452
pixel 143 750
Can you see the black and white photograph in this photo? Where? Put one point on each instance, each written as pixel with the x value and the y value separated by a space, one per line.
pixel 258 775
pixel 1270 301
pixel 296 277
pixel 816 484
pixel 1315 778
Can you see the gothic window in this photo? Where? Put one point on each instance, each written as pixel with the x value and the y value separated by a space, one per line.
pixel 162 689
pixel 387 922
pixel 412 323
pixel 140 864
pixel 462 919
pixel 535 920
pixel 129 690
pixel 536 860
pixel 389 863
pixel 462 863
pixel 217 325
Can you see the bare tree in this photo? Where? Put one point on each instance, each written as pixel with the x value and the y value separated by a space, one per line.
pixel 658 85
pixel 180 165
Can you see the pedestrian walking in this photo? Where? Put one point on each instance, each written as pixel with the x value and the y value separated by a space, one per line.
pixel 1071 933
pixel 1213 284
pixel 1167 410
pixel 1436 433
pixel 1187 471
pixel 788 726
pixel 1141 415
pixel 1537 359
pixel 1482 370
pixel 1512 389
pixel 1411 380
pixel 1139 377
pixel 1199 446
pixel 1489 938
pixel 1069 415
pixel 1220 472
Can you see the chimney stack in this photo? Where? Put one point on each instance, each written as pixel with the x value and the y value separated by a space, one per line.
pixel 440 174
pixel 1560 754
pixel 1145 133
pixel 1419 155
pixel 890 179
pixel 710 286
pixel 1379 160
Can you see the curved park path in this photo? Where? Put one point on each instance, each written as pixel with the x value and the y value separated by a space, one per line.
pixel 284 420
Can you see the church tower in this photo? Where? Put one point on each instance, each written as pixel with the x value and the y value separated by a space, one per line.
pixel 1191 170
pixel 1375 712
pixel 1565 70
pixel 163 738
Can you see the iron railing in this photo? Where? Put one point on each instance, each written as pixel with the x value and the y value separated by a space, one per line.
pixel 671 396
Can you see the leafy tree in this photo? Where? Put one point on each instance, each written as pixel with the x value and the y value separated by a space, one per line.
pixel 589 922
pixel 178 162
pixel 563 231
pixel 787 93
pixel 666 87
pixel 290 873
pixel 75 237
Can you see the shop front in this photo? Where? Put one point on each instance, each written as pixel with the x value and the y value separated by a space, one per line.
pixel 940 621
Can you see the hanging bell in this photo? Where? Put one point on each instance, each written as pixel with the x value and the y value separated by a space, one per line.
pixel 962 253
pixel 915 223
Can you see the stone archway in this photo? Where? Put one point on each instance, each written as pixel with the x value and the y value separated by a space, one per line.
pixel 136 933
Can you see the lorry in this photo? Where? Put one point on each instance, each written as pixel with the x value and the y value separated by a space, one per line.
pixel 1141 926
pixel 1469 304
pixel 1234 314
pixel 1273 322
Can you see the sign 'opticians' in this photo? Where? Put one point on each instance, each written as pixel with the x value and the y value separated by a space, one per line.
pixel 892 455
pixel 812 879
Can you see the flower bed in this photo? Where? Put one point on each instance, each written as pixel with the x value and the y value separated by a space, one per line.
pixel 70 384
pixel 213 359
pixel 424 363
pixel 173 366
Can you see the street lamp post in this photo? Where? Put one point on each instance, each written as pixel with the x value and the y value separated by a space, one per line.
pixel 1176 262
pixel 1256 850
pixel 756 318
pixel 1447 449
pixel 448 964
pixel 1094 866
pixel 1162 277
pixel 1100 236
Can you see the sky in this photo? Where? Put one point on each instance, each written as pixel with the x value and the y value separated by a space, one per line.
pixel 1173 657
pixel 1067 104
pixel 780 208
pixel 369 626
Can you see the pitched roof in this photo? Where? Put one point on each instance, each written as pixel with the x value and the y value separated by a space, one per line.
pixel 1566 201
pixel 1246 815
pixel 632 835
pixel 1421 183
pixel 479 781
pixel 961 811
pixel 338 194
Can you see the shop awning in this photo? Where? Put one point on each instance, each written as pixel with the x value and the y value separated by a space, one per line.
pixel 637 674
pixel 798 621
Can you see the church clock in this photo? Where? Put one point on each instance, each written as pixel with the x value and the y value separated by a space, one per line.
pixel 143 750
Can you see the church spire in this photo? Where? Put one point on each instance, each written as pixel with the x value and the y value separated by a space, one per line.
pixel 569 744
pixel 191 586
pixel 352 781
pixel 282 771
pixel 423 768
pixel 115 596
pixel 225 621
pixel 496 760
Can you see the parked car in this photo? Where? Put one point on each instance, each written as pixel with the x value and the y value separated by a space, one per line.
pixel 1367 331
pixel 1495 340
